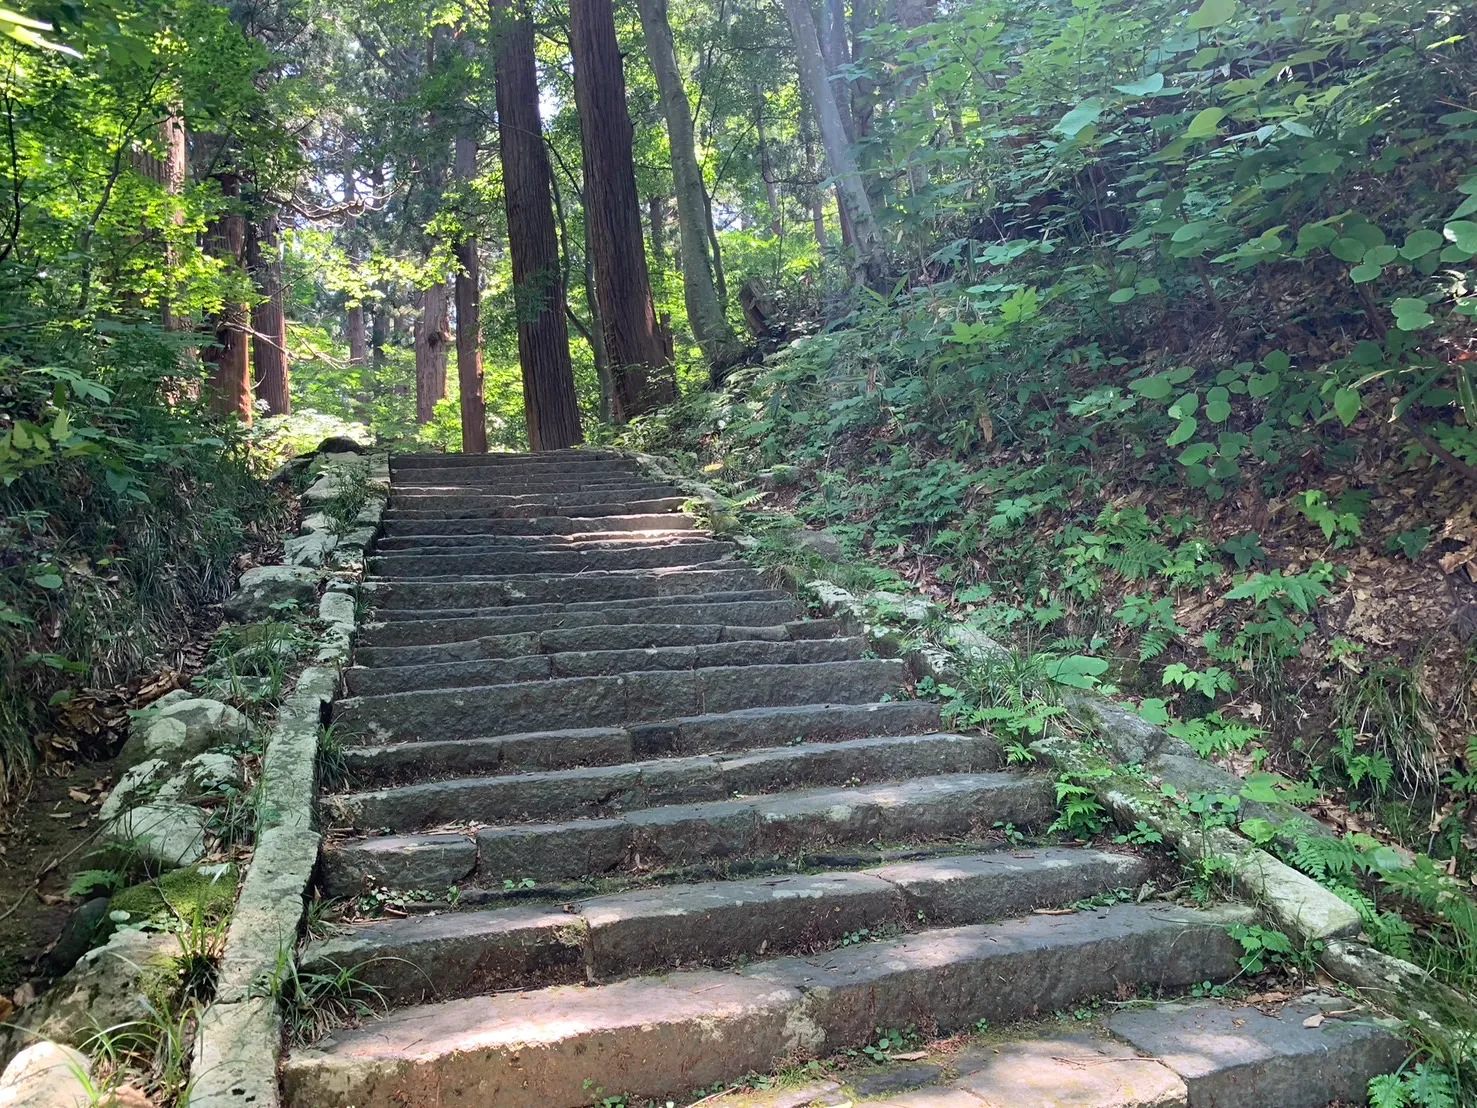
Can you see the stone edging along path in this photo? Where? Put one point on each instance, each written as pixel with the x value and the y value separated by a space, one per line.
pixel 238 1042
pixel 1287 898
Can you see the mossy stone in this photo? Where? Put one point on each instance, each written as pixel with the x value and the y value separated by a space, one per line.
pixel 181 893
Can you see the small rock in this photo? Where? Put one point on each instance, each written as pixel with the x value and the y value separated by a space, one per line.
pixel 311 549
pixel 136 786
pixel 107 987
pixel 207 773
pixel 823 543
pixel 897 1080
pixel 265 590
pixel 904 606
pixel 164 834
pixel 77 935
pixel 339 444
pixel 46 1075
pixel 182 729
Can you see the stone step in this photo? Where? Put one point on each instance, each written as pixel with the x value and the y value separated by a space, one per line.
pixel 563 482
pixel 603 637
pixel 513 496
pixel 544 507
pixel 604 791
pixel 557 458
pixel 652 930
pixel 929 809
pixel 597 585
pixel 613 701
pixel 500 562
pixel 660 1037
pixel 588 540
pixel 410 627
pixel 543 525
pixel 591 746
pixel 384 680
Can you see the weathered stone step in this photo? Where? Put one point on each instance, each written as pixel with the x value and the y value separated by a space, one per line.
pixel 588 540
pixel 597 585
pixel 604 637
pixel 663 1037
pixel 928 809
pixel 411 627
pixel 510 496
pixel 500 562
pixel 437 482
pixel 543 525
pixel 557 458
pixel 612 701
pixel 459 954
pixel 543 507
pixel 384 680
pixel 609 790
pixel 705 734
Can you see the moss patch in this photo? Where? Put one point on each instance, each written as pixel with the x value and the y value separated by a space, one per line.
pixel 208 891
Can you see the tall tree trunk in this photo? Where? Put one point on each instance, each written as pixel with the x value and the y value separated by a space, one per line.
pixel 705 315
pixel 817 193
pixel 175 169
pixel 850 193
pixel 230 379
pixel 603 371
pixel 656 221
pixel 912 14
pixel 379 333
pixel 836 52
pixel 643 376
pixel 354 330
pixel 432 339
pixel 269 314
pixel 469 317
pixel 550 407
pixel 766 170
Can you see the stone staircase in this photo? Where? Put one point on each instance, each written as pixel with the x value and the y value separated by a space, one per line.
pixel 654 829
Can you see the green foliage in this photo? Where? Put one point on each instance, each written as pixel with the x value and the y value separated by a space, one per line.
pixel 1079 814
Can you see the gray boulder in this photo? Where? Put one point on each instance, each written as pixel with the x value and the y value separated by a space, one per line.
pixel 823 543
pixel 182 729
pixel 46 1075
pixel 264 591
pixel 162 834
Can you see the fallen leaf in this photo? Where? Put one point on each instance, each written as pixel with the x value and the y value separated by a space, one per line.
pixel 1315 1020
pixel 79 796
pixel 911 1056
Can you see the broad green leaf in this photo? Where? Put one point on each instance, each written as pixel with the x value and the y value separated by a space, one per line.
pixel 1466 207
pixel 1362 274
pixel 1083 115
pixel 1346 405
pixel 1380 255
pixel 1197 452
pixel 1149 85
pixel 1411 314
pixel 1121 296
pixel 1315 235
pixel 1277 362
pixel 1206 123
pixel 1463 233
pixel 1217 411
pixel 1183 432
pixel 1190 231
pixel 1185 405
pixel 47 581
pixel 1077 671
pixel 1157 387
pixel 1347 249
pixel 1320 163
pixel 1420 243
pixel 1212 13
pixel 1264 384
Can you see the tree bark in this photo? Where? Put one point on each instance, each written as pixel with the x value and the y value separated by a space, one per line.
pixel 643 376
pixel 230 378
pixel 912 14
pixel 766 170
pixel 469 317
pixel 550 407
pixel 354 330
pixel 817 204
pixel 597 334
pixel 836 52
pixel 432 341
pixel 269 314
pixel 656 228
pixel 705 315
pixel 379 333
pixel 851 194
pixel 175 169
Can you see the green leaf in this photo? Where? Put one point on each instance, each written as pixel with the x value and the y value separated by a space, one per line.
pixel 1420 243
pixel 1362 274
pixel 1196 453
pixel 1149 85
pixel 1217 411
pixel 1191 231
pixel 1121 296
pixel 47 581
pixel 1182 433
pixel 1264 384
pixel 1076 670
pixel 1212 13
pixel 1346 405
pixel 1082 116
pixel 1380 255
pixel 1347 249
pixel 1206 123
pixel 1463 233
pixel 1411 314
pixel 1157 387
